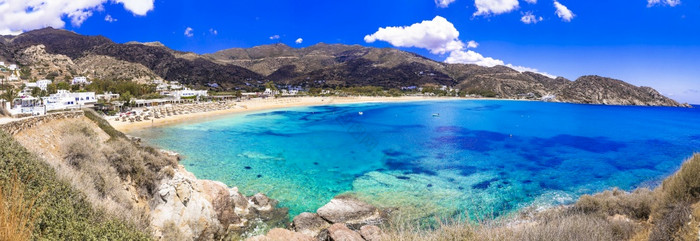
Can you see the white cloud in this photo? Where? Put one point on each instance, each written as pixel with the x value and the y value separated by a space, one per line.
pixel 563 12
pixel 137 7
pixel 672 3
pixel 486 7
pixel 299 41
pixel 531 1
pixel 527 69
pixel 273 37
pixel 213 31
pixel 110 19
pixel 529 18
pixel 188 32
pixel 437 35
pixel 17 16
pixel 443 3
pixel 471 57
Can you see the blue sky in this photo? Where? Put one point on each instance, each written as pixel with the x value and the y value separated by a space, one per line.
pixel 645 42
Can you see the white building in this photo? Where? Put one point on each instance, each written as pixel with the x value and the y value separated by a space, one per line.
pixel 79 80
pixel 2 64
pixel 185 93
pixel 64 99
pixel 43 84
pixel 13 77
pixel 108 96
pixel 12 67
pixel 270 92
pixel 26 105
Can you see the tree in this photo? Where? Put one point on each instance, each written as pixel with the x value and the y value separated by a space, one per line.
pixel 51 88
pixel 9 94
pixel 239 94
pixel 63 86
pixel 36 91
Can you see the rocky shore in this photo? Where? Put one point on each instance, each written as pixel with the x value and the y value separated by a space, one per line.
pixel 344 218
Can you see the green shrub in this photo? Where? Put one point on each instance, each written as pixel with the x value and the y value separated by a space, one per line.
pixel 103 124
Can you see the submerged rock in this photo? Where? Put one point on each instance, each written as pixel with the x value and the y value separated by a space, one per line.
pixel 349 210
pixel 279 234
pixel 310 224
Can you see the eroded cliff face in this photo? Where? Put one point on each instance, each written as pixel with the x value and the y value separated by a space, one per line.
pixel 145 186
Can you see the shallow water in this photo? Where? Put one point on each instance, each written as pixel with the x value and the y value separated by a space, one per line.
pixel 477 157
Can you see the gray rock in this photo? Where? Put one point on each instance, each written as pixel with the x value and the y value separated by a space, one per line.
pixel 310 224
pixel 348 210
pixel 278 234
pixel 340 232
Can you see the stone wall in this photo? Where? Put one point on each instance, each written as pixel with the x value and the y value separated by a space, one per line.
pixel 22 124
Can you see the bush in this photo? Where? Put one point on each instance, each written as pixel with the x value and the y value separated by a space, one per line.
pixel 66 214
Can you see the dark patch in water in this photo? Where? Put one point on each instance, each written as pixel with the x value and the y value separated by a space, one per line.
pixel 393 153
pixel 527 181
pixel 485 108
pixel 247 167
pixel 485 184
pixel 590 144
pixel 467 170
pixel 259 176
pixel 430 185
pixel 272 133
pixel 316 163
pixel 403 177
pixel 460 188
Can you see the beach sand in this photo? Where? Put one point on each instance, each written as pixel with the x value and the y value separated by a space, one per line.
pixel 264 104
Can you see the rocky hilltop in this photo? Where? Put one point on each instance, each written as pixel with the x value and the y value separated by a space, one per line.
pixel 62 53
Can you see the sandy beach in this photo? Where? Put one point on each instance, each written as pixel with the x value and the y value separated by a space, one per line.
pixel 263 104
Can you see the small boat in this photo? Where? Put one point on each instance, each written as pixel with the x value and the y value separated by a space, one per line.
pixel 360 113
pixel 436 114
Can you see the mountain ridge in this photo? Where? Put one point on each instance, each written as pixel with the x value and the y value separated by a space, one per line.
pixel 322 65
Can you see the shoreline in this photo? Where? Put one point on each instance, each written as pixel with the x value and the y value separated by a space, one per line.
pixel 253 105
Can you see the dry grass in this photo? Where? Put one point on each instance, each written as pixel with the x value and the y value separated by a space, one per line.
pixel 18 212
pixel 637 204
pixel 670 212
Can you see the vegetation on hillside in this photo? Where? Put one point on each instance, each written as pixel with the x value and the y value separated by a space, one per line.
pixel 62 212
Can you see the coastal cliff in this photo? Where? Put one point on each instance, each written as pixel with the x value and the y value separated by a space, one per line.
pixel 60 54
pixel 139 186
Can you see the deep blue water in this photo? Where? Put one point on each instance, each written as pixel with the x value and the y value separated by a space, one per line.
pixel 477 157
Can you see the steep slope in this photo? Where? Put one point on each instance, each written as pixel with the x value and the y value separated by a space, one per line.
pixel 600 90
pixel 320 65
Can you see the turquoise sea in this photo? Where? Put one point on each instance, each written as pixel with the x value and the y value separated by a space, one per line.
pixel 477 157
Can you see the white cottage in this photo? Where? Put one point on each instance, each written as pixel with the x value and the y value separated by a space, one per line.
pixel 64 99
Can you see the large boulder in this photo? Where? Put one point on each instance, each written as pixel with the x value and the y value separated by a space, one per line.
pixel 371 233
pixel 310 224
pixel 340 232
pixel 278 234
pixel 180 206
pixel 349 210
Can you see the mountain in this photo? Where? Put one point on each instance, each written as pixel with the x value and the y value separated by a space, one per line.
pixel 320 65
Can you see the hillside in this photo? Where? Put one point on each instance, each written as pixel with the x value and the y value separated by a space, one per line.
pixel 62 54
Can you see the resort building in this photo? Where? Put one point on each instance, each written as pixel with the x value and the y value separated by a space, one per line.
pixel 24 106
pixel 43 84
pixel 107 96
pixel 12 67
pixel 79 80
pixel 64 99
pixel 185 94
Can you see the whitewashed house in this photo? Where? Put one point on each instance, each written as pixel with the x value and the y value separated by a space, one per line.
pixel 270 92
pixel 43 84
pixel 12 67
pixel 2 64
pixel 185 93
pixel 25 105
pixel 79 80
pixel 64 99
